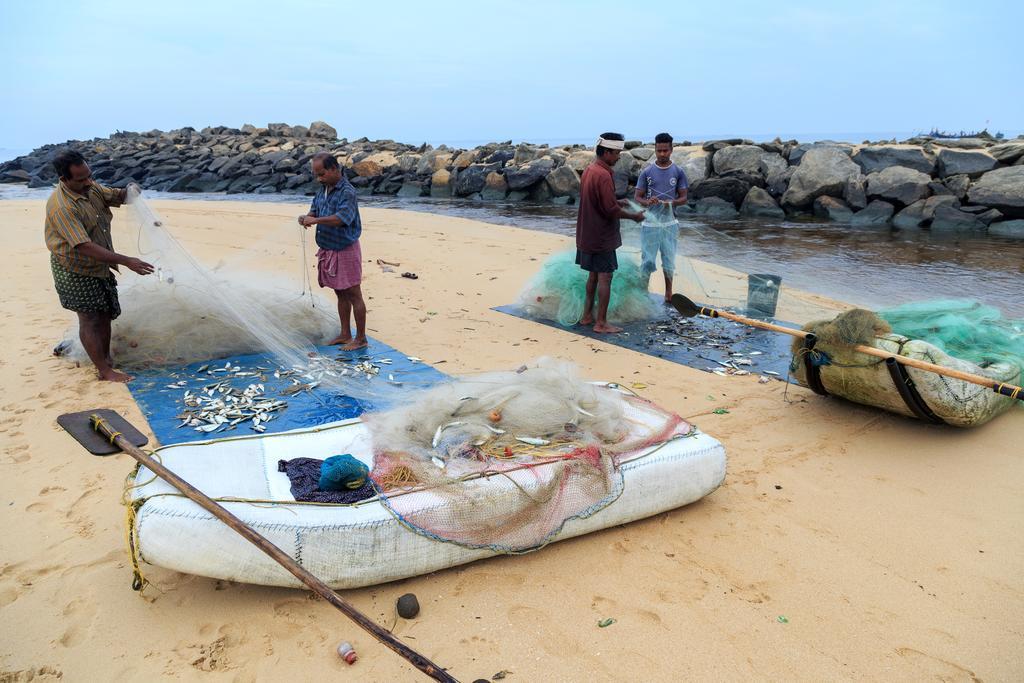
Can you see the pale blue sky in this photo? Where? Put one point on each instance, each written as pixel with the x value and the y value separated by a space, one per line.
pixel 545 71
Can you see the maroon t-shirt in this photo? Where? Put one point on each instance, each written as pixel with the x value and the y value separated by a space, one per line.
pixel 597 225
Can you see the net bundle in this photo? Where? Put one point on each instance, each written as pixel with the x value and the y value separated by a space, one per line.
pixel 187 312
pixel 558 291
pixel 502 460
pixel 963 328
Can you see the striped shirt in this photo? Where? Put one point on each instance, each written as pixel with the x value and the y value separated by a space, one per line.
pixel 340 201
pixel 73 219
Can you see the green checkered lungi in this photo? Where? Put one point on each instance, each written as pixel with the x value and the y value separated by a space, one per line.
pixel 84 293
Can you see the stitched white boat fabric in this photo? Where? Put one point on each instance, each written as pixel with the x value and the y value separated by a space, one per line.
pixel 352 546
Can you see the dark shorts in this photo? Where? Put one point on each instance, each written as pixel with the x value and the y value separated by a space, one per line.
pixel 84 293
pixel 601 262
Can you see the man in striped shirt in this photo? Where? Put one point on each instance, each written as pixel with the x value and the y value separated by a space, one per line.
pixel 335 213
pixel 82 255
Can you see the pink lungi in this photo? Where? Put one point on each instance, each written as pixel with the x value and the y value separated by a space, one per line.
pixel 340 269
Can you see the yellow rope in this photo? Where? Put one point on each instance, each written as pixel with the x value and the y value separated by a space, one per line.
pixel 399 476
pixel 131 507
pixel 1013 394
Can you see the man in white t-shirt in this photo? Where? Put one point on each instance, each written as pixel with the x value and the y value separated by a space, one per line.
pixel 661 187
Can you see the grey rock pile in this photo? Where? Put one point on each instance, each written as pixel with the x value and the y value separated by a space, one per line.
pixel 941 184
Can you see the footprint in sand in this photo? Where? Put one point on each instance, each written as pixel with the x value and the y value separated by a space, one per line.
pixel 82 523
pixel 940 669
pixel 18 454
pixel 208 655
pixel 80 615
pixel 43 673
pixel 7 596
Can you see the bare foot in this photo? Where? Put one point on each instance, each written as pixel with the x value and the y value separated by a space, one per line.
pixel 112 375
pixel 340 339
pixel 606 329
pixel 586 320
pixel 356 343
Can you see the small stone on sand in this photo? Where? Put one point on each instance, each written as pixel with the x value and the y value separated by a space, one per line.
pixel 408 606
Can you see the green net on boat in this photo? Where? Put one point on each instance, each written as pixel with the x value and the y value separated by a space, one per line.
pixel 962 328
pixel 558 290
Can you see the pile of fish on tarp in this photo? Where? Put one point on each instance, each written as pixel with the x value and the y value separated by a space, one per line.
pixel 221 406
pixel 706 337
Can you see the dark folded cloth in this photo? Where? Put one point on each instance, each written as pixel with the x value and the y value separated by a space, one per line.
pixel 304 474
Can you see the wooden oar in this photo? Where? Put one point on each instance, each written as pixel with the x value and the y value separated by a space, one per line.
pixel 689 309
pixel 278 555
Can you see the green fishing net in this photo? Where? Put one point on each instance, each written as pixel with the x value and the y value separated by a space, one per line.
pixel 962 328
pixel 557 291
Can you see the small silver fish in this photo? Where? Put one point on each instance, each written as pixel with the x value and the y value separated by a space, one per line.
pixel 437 435
pixel 438 461
pixel 495 429
pixel 533 441
pixel 584 412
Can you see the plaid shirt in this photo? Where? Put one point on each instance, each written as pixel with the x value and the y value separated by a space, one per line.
pixel 340 201
pixel 73 219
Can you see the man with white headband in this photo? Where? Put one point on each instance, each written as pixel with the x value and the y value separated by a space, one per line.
pixel 597 230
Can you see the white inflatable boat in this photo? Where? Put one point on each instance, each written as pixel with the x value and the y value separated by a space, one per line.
pixel 364 543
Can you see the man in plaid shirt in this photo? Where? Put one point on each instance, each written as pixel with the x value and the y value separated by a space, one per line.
pixel 82 256
pixel 335 213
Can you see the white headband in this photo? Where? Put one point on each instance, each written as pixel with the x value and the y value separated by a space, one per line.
pixel 611 144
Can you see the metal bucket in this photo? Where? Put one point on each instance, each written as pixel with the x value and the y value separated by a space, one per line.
pixel 762 294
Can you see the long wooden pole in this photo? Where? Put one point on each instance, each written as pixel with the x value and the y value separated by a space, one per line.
pixel 1010 390
pixel 316 585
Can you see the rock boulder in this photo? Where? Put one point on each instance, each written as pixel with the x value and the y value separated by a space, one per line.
pixel 472 179
pixel 1014 229
pixel 715 207
pixel 953 219
pixel 746 158
pixel 1002 189
pixel 758 203
pixel 822 171
pixel 969 162
pixel 898 184
pixel 874 158
pixel 563 182
pixel 875 214
pixel 440 183
pixel 732 190
pixel 522 177
pixel 324 131
pixel 495 186
pixel 832 209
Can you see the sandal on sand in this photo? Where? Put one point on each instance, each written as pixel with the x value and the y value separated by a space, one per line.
pixel 411 276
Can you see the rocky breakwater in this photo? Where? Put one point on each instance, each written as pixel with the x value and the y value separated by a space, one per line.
pixel 940 184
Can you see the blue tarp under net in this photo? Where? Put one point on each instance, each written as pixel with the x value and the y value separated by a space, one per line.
pixel 160 392
pixel 710 344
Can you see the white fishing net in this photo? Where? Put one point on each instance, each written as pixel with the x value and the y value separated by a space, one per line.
pixel 187 312
pixel 507 457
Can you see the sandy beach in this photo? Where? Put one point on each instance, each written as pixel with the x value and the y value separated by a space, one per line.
pixel 846 543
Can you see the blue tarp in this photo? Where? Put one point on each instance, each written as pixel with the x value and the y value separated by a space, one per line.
pixel 161 403
pixel 700 342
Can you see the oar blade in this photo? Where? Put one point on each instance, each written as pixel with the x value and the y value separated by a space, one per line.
pixel 686 308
